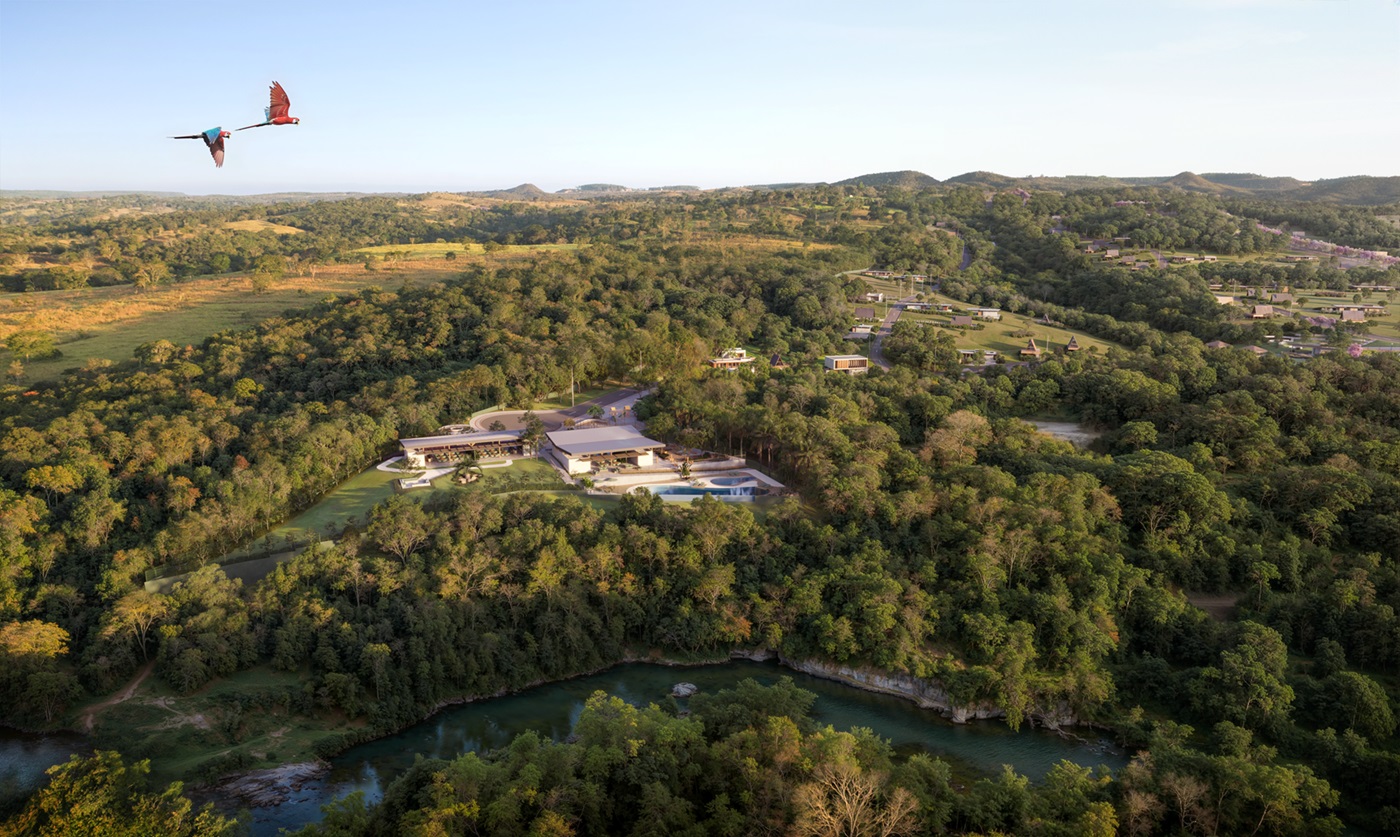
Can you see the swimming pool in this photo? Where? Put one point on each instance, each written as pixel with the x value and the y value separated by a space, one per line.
pixel 678 492
pixel 731 480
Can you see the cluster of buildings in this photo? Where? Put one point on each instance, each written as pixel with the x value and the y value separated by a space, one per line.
pixel 576 451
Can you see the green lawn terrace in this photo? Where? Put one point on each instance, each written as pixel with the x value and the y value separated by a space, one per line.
pixel 1006 336
pixel 1307 309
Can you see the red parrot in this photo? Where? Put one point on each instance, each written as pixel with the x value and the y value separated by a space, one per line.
pixel 214 138
pixel 276 112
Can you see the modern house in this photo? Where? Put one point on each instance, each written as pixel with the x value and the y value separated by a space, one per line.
pixel 437 451
pixel 578 450
pixel 732 359
pixel 1072 345
pixel 849 364
pixel 874 296
pixel 859 332
pixel 1031 349
pixel 985 313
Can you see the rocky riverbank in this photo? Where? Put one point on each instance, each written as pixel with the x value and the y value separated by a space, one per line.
pixel 928 694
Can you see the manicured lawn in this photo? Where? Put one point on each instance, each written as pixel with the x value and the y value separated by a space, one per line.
pixel 351 502
pixel 580 397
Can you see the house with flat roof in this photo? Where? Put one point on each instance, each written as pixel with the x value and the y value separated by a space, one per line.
pixel 577 450
pixel 985 313
pixel 732 359
pixel 849 364
pixel 874 296
pixel 859 332
pixel 437 451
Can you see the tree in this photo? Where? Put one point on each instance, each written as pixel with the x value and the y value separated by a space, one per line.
pixel 399 526
pixel 32 345
pixel 101 795
pixel 135 614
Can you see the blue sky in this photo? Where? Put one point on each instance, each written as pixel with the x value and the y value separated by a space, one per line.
pixel 419 96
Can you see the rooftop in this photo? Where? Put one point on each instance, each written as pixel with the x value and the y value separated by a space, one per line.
pixel 462 438
pixel 600 440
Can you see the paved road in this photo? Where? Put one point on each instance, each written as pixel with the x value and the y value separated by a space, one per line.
pixel 877 352
pixel 554 419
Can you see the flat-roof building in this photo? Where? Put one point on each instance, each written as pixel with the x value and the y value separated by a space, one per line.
pixel 427 451
pixel 578 450
pixel 850 364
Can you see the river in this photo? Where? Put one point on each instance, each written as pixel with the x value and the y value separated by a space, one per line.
pixel 553 709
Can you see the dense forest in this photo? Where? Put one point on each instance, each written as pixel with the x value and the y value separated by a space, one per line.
pixel 935 534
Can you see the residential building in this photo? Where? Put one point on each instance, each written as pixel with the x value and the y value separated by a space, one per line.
pixel 849 364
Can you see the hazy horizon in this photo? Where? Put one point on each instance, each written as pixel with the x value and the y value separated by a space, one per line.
pixel 453 97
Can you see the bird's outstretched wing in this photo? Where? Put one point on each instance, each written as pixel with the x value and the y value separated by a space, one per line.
pixel 280 104
pixel 246 127
pixel 216 150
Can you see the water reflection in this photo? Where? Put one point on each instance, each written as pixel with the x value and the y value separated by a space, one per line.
pixel 554 709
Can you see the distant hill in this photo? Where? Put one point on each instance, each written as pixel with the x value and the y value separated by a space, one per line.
pixel 523 192
pixel 1366 190
pixel 1255 182
pixel 988 180
pixel 900 179
pixel 1192 182
pixel 45 194
pixel 599 187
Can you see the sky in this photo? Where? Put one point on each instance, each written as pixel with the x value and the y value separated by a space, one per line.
pixel 417 96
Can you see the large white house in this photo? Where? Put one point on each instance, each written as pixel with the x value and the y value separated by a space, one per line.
pixel 577 450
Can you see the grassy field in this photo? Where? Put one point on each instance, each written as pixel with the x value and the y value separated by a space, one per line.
pixel 351 502
pixel 995 335
pixel 438 251
pixel 111 322
pixel 209 731
pixel 258 225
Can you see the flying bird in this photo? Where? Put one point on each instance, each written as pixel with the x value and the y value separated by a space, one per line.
pixel 214 138
pixel 276 112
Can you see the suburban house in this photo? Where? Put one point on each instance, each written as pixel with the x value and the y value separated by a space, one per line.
pixel 1217 344
pixel 859 332
pixel 1261 312
pixel 577 450
pixel 1209 258
pixel 960 321
pixel 883 274
pixel 1225 299
pixel 865 313
pixel 1256 350
pixel 918 306
pixel 1366 308
pixel 732 359
pixel 985 313
pixel 1351 315
pixel 777 362
pixel 1031 349
pixel 1110 253
pixel 850 364
pixel 437 451
pixel 1280 297
pixel 943 308
pixel 874 296
pixel 1072 345
pixel 967 355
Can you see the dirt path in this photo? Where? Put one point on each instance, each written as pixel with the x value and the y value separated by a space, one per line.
pixel 86 720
